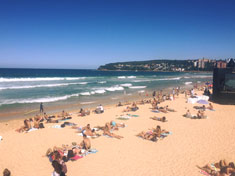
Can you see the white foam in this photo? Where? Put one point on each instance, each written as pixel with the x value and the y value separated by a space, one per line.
pixel 85 93
pixel 115 88
pixel 187 83
pixel 83 83
pixel 40 85
pixel 101 91
pixel 168 79
pixel 121 77
pixel 138 87
pixel 102 82
pixel 131 77
pixel 126 85
pixel 39 79
pixel 39 100
pixel 89 102
pixel 147 80
pixel 92 92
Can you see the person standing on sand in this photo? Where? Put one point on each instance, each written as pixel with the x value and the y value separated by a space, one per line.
pixel 41 108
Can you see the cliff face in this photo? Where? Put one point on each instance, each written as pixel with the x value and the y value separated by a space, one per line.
pixel 158 65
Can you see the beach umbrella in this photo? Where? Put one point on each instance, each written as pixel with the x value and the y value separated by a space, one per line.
pixel 202 102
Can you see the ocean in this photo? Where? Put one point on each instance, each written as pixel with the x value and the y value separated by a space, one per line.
pixel 22 90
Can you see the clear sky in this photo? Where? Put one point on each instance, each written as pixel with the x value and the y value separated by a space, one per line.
pixel 88 33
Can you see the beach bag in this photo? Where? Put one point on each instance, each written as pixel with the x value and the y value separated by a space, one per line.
pixel 41 125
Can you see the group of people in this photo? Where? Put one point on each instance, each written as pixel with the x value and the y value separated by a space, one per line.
pixel 37 121
pixel 153 134
pixel 133 107
pixel 222 168
pixel 60 155
pixel 200 113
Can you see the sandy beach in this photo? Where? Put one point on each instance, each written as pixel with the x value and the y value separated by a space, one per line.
pixel 192 142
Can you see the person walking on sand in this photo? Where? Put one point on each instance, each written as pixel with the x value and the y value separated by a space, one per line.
pixel 41 108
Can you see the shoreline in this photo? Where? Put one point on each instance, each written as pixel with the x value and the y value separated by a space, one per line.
pixel 54 110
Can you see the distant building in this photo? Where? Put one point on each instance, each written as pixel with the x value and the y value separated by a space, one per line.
pixel 221 64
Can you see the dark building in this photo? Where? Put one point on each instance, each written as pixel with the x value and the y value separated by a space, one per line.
pixel 224 83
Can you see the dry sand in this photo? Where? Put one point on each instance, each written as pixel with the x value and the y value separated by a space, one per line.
pixel 193 142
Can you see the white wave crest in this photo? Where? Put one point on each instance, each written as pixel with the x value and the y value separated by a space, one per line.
pixel 121 77
pixel 85 93
pixel 41 85
pixel 38 100
pixel 131 77
pixel 126 85
pixel 39 79
pixel 102 82
pixel 138 87
pixel 101 91
pixel 115 88
pixel 89 102
pixel 187 83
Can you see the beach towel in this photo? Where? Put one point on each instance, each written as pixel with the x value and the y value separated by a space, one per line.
pixel 81 134
pixel 133 115
pixel 76 157
pixel 90 151
pixel 156 111
pixel 204 173
pixel 107 136
pixel 124 118
pixel 56 126
pixel 163 135
pixel 31 129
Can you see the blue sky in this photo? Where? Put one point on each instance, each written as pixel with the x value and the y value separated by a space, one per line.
pixel 88 33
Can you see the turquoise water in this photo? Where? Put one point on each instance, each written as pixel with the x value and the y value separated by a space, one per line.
pixel 23 88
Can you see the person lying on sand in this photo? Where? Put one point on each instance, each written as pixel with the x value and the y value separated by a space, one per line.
pixel 119 104
pixel 161 119
pixel 219 169
pixel 107 132
pixel 188 114
pixel 86 143
pixel 127 109
pixel 83 112
pixel 149 135
pixel 169 109
pixel 210 107
pixel 201 115
pixel 134 107
pixel 115 125
pixel 63 114
pixel 159 131
pixel 163 109
pixel 141 102
pixel 26 127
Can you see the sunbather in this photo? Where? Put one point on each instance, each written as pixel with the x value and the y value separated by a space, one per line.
pixel 119 104
pixel 210 107
pixel 169 109
pixel 115 125
pixel 86 143
pixel 108 133
pixel 219 169
pixel 162 119
pixel 26 127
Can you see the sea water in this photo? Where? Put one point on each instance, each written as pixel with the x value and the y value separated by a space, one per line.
pixel 24 89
